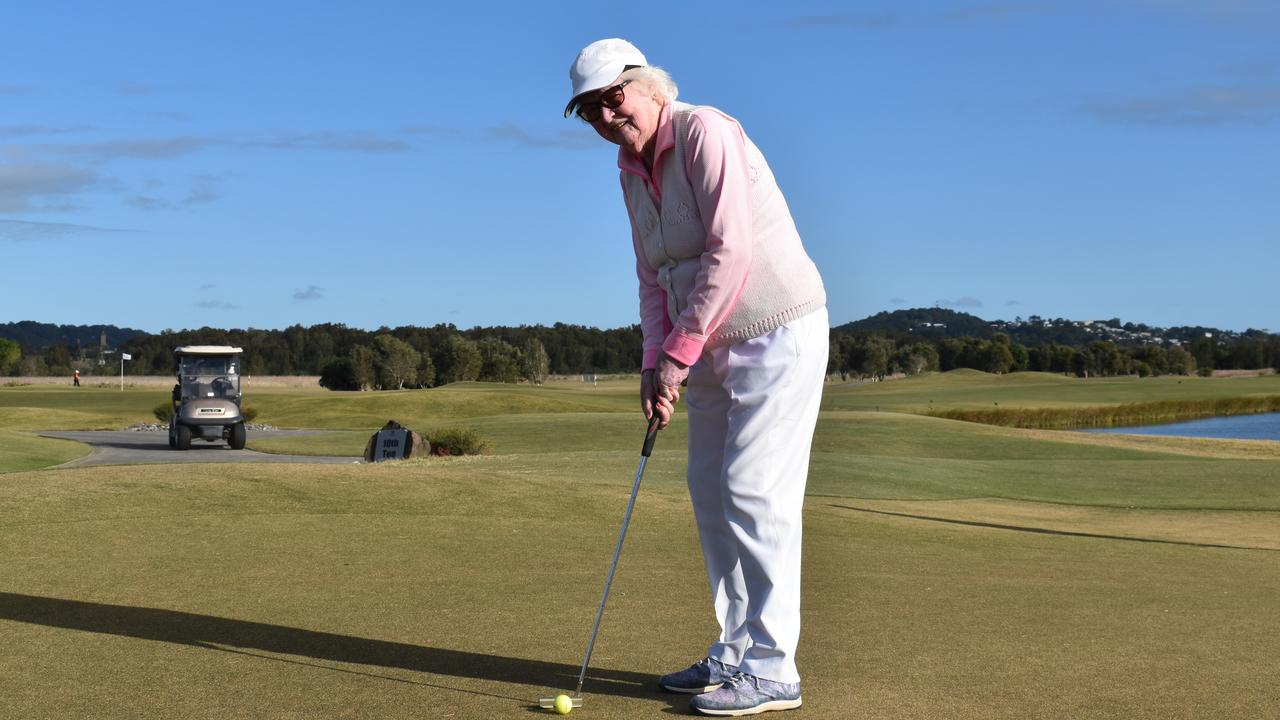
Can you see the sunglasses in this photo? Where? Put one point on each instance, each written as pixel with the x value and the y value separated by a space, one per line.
pixel 610 98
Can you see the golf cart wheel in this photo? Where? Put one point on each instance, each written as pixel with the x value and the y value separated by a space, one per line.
pixel 237 436
pixel 184 438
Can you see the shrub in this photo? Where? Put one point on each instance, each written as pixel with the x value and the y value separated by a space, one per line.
pixel 338 374
pixel 457 441
pixel 163 411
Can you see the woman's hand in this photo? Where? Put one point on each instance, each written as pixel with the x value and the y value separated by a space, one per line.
pixel 653 400
pixel 671 374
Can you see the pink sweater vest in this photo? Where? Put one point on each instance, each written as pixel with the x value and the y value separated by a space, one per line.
pixel 783 283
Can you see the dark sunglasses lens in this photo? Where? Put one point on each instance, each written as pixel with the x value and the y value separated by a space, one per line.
pixel 612 97
pixel 590 113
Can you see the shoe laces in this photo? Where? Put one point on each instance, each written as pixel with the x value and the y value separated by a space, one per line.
pixel 740 678
pixel 713 665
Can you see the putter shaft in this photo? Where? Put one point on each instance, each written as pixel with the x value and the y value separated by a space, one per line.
pixel 649 437
pixel 613 568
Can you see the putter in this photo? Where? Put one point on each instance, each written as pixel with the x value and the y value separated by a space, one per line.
pixel 649 437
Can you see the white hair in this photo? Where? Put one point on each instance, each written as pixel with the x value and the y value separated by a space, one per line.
pixel 656 78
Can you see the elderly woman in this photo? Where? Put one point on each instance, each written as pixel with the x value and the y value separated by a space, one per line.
pixel 731 303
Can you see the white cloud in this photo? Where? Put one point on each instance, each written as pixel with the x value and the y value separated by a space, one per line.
pixel 1205 106
pixel 331 141
pixel 865 19
pixel 146 148
pixel 216 305
pixel 24 231
pixel 202 190
pixel 962 302
pixel 12 131
pixel 21 185
pixel 311 293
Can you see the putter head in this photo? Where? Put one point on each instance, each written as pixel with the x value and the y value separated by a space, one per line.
pixel 550 703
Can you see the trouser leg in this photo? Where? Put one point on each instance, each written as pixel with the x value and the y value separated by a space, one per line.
pixel 707 409
pixel 774 387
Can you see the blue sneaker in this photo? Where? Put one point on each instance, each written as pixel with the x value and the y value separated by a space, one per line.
pixel 701 677
pixel 745 694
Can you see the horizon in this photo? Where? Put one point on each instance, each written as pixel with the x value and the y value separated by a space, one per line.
pixel 834 325
pixel 265 166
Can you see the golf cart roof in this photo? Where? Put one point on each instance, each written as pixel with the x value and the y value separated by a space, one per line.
pixel 207 350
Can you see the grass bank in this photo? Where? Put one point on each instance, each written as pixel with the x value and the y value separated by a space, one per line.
pixel 1145 413
pixel 22 451
pixel 970 389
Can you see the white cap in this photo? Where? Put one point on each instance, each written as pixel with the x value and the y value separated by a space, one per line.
pixel 599 64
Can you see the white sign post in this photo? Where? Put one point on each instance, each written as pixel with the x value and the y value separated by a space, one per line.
pixel 123 357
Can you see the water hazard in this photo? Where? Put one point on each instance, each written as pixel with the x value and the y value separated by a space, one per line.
pixel 1263 426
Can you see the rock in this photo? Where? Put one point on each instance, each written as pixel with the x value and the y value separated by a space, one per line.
pixel 395 442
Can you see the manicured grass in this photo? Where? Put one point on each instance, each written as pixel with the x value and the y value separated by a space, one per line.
pixel 350 443
pixel 466 588
pixel 971 389
pixel 43 407
pixel 52 407
pixel 953 570
pixel 901 457
pixel 890 456
pixel 444 406
pixel 1145 413
pixel 21 451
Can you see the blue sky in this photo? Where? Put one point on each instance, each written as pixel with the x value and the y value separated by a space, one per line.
pixel 172 165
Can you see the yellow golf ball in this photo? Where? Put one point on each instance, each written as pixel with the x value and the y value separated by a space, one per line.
pixel 564 704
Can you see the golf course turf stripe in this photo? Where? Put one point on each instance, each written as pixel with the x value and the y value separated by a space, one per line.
pixel 1047 531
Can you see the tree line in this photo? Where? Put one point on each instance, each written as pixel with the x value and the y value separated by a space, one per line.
pixel 352 358
pixel 418 357
pixel 877 355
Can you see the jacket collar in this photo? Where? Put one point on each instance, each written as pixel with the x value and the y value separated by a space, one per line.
pixel 666 139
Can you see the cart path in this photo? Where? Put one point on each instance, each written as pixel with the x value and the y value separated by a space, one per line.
pixel 129 447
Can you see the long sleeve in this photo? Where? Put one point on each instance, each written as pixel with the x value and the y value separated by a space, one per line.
pixel 718 172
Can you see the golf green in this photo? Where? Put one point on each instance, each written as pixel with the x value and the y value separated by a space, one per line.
pixel 951 570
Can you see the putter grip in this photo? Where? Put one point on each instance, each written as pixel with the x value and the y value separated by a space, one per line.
pixel 650 436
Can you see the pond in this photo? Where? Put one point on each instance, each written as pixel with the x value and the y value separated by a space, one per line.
pixel 1262 426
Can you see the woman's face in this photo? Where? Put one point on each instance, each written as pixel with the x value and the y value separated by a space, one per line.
pixel 633 124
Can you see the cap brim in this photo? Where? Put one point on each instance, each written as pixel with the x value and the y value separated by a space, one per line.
pixel 599 80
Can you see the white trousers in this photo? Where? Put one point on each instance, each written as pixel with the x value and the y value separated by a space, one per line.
pixel 752 408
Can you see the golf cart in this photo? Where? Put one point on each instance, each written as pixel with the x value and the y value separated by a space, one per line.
pixel 206 400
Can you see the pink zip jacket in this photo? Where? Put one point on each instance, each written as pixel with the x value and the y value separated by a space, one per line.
pixel 716 165
pixel 713 237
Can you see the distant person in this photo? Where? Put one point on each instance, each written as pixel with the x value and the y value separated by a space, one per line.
pixel 75 378
pixel 730 302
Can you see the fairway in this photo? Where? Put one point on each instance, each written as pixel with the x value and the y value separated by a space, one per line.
pixel 973 389
pixel 951 570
